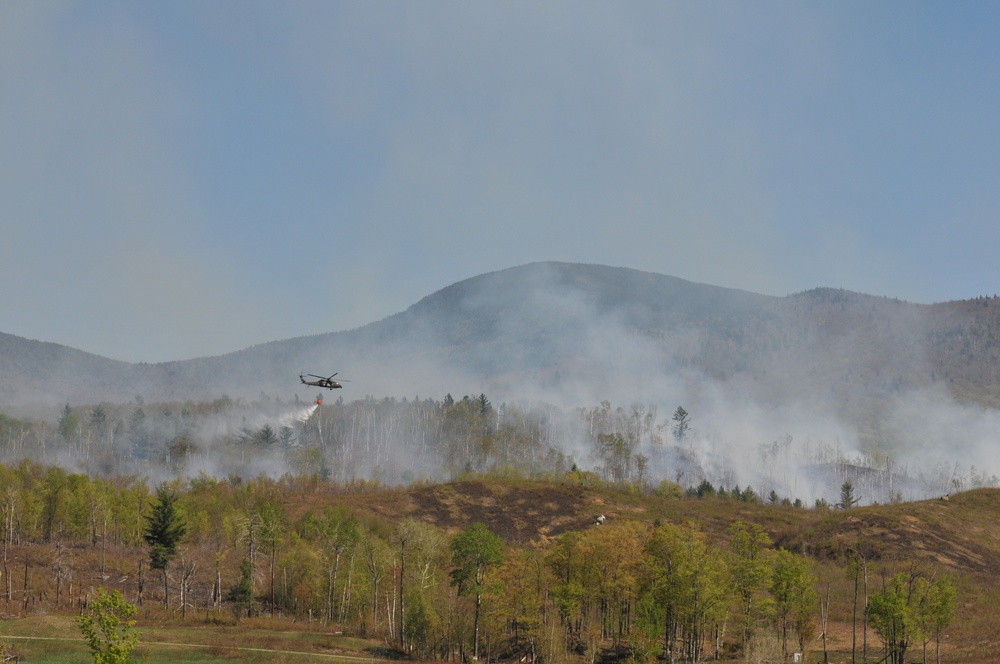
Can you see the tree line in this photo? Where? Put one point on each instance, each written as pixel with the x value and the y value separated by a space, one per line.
pixel 231 549
pixel 394 442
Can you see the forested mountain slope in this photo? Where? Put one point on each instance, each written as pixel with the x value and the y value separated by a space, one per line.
pixel 580 334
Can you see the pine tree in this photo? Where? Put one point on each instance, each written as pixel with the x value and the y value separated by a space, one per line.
pixel 682 422
pixel 165 528
pixel 847 499
pixel 241 595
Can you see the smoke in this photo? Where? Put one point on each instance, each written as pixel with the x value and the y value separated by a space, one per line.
pixel 806 409
pixel 802 410
pixel 792 396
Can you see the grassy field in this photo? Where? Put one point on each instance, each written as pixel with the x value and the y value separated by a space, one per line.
pixel 56 639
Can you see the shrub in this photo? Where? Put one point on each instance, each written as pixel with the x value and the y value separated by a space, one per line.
pixel 108 628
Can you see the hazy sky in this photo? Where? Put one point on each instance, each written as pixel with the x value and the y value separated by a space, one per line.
pixel 180 179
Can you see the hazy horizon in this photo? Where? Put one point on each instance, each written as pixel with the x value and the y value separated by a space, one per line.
pixel 182 180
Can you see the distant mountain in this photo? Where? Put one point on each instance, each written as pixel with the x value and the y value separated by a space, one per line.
pixel 582 334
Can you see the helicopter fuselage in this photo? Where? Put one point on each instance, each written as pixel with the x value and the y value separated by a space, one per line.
pixel 327 383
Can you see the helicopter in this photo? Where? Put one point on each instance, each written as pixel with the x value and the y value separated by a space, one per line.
pixel 321 381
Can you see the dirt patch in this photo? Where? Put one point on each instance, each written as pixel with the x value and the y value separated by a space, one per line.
pixel 897 536
pixel 518 513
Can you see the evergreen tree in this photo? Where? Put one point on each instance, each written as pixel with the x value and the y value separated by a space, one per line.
pixel 847 499
pixel 165 528
pixel 139 434
pixel 68 423
pixel 682 422
pixel 265 437
pixel 98 417
pixel 241 595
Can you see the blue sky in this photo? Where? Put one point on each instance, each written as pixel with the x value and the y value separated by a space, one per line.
pixel 188 178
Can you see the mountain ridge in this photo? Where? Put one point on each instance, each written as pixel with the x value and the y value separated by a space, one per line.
pixel 577 329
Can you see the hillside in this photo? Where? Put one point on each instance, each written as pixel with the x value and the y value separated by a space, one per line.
pixel 581 334
pixel 540 522
pixel 955 535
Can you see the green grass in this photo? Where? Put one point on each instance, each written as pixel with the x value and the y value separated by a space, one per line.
pixel 56 639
